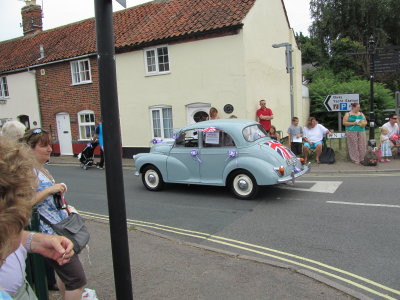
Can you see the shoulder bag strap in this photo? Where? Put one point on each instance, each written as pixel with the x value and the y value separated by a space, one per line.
pixel 45 220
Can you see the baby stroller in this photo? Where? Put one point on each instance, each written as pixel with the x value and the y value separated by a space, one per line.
pixel 86 157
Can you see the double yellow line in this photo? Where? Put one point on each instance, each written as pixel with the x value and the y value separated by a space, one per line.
pixel 272 253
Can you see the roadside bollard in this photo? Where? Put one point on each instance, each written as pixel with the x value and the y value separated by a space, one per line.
pixel 35 269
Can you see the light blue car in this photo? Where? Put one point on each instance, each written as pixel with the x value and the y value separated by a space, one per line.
pixel 229 152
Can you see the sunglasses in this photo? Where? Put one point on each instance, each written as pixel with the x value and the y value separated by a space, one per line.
pixel 394 118
pixel 34 132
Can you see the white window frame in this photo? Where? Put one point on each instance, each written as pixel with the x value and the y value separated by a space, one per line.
pixel 86 124
pixel 161 111
pixel 78 72
pixel 156 70
pixel 4 91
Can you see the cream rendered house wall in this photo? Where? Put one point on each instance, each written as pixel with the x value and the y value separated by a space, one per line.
pixel 23 98
pixel 266 76
pixel 205 71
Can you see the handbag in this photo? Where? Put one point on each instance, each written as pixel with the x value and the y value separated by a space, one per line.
pixel 73 227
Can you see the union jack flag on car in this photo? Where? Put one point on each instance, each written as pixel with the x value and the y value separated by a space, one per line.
pixel 283 151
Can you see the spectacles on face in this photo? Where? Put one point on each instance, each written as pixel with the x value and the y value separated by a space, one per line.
pixel 394 118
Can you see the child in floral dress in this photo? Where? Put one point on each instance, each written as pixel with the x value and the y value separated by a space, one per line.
pixel 385 145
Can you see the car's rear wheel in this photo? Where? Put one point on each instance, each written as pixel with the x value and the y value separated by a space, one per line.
pixel 152 178
pixel 243 185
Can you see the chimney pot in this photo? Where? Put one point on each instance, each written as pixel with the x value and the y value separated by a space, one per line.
pixel 31 17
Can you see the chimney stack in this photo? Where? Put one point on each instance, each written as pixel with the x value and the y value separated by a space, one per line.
pixel 31 17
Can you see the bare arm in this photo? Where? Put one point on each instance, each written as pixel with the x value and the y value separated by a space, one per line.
pixel 56 247
pixel 40 196
pixel 346 122
pixel 262 117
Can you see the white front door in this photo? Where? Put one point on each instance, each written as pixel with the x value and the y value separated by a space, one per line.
pixel 64 133
pixel 197 112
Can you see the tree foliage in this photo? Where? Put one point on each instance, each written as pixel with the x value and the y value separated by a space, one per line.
pixel 340 29
pixel 327 83
pixel 355 19
pixel 311 50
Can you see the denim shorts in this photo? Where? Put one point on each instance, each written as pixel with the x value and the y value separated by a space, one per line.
pixel 313 146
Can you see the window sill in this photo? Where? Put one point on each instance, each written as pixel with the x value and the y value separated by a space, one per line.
pixel 156 74
pixel 81 83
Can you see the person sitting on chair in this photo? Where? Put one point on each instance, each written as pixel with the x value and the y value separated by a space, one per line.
pixel 313 135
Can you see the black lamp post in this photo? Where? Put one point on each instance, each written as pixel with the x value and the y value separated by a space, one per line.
pixel 371 53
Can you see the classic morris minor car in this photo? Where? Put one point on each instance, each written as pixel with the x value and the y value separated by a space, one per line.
pixel 232 152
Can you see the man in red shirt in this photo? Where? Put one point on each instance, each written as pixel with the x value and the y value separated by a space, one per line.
pixel 264 116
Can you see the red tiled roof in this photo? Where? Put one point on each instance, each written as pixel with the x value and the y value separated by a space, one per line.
pixel 140 25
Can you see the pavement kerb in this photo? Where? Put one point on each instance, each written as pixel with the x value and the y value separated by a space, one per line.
pixel 353 171
pixel 307 273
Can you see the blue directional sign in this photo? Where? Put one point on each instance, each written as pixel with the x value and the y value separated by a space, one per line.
pixel 341 102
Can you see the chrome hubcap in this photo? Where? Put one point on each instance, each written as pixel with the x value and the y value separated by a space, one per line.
pixel 151 178
pixel 243 184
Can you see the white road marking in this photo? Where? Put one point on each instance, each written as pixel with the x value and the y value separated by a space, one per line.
pixel 318 186
pixel 364 204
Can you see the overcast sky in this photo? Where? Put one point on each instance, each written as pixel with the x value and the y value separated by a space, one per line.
pixel 61 12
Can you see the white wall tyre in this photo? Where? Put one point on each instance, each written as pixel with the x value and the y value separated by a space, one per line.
pixel 243 185
pixel 152 178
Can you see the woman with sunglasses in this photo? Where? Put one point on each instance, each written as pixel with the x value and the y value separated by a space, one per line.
pixel 17 188
pixel 393 131
pixel 72 277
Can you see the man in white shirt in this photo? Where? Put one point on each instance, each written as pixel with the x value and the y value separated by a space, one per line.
pixel 313 135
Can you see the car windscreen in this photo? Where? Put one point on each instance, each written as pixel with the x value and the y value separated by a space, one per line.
pixel 254 132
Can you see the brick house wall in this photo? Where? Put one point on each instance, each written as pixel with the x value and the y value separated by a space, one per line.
pixel 57 94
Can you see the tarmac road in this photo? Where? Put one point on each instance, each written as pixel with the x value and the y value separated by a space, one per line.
pixel 224 216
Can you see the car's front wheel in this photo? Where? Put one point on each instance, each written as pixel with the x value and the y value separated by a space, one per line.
pixel 243 185
pixel 152 178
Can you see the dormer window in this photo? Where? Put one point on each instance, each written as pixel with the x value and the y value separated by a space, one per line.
pixel 156 60
pixel 80 72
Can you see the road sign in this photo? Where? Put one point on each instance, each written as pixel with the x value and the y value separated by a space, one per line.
pixel 387 62
pixel 341 102
pixel 336 135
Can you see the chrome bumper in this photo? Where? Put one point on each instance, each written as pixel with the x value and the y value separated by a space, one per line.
pixel 294 175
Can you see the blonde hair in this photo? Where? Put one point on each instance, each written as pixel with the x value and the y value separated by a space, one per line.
pixel 14 129
pixel 384 129
pixel 17 189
